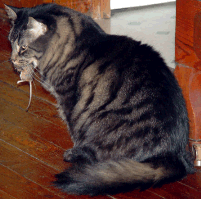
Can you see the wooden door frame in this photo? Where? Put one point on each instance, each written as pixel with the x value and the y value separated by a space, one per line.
pixel 188 69
pixel 101 9
pixel 97 9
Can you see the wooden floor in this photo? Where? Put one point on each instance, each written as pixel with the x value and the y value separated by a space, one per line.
pixel 32 143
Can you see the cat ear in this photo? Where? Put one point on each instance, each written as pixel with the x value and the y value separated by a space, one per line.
pixel 36 27
pixel 11 13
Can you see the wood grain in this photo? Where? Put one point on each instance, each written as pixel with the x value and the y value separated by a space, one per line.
pixel 177 190
pixel 31 168
pixel 32 124
pixel 8 93
pixel 188 57
pixel 138 194
pixel 189 80
pixel 193 181
pixel 186 13
pixel 11 77
pixel 25 165
pixel 5 195
pixel 94 8
pixel 20 187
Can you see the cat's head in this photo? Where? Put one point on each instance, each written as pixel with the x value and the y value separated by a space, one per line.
pixel 24 33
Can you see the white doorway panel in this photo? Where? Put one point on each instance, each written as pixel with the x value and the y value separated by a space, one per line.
pixel 117 4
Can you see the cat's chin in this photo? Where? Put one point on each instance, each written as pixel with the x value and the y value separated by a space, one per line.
pixel 17 68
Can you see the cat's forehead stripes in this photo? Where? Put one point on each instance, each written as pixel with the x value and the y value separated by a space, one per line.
pixel 15 50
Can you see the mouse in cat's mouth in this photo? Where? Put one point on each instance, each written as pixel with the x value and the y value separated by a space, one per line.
pixel 26 76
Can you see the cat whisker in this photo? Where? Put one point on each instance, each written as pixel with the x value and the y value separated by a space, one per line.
pixel 39 72
pixel 34 84
pixel 38 79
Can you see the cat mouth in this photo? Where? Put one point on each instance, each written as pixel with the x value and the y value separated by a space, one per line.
pixel 26 72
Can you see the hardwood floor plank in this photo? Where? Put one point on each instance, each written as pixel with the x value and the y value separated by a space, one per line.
pixel 4 27
pixel 5 44
pixel 198 169
pixel 138 194
pixel 5 195
pixel 33 145
pixel 25 165
pixel 43 128
pixel 19 187
pixel 39 108
pixel 5 55
pixel 177 191
pixel 30 168
pixel 8 75
pixel 193 181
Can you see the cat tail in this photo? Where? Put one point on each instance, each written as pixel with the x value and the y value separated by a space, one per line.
pixel 123 175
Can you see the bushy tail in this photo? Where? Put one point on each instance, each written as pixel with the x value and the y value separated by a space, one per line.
pixel 112 177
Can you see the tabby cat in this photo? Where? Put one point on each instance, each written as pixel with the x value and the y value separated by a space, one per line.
pixel 122 105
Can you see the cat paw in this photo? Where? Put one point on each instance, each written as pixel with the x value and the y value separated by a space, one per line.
pixel 68 155
pixel 80 155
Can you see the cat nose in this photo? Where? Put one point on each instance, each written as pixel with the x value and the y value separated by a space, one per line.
pixel 13 60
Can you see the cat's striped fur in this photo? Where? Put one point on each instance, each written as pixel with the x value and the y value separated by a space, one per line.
pixel 124 109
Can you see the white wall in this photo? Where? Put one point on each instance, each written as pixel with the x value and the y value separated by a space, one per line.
pixel 116 4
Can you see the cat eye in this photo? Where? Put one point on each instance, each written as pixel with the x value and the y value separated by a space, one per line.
pixel 23 48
